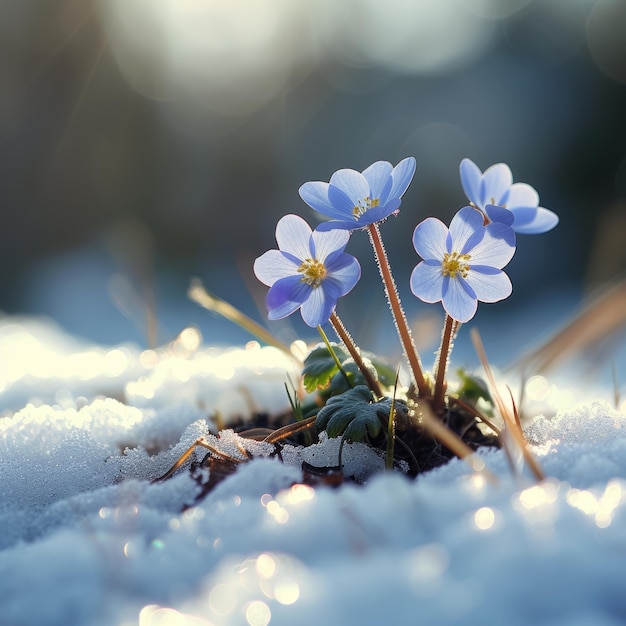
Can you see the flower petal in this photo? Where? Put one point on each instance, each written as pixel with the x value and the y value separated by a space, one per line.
pixel 427 282
pixel 343 273
pixel 378 176
pixel 495 248
pixel 274 265
pixel 402 176
pixel 495 184
pixel 285 296
pixel 429 239
pixel 315 194
pixel 293 236
pixel 490 286
pixel 339 225
pixel 378 213
pixel 316 309
pixel 533 222
pixel 498 214
pixel 470 180
pixel 353 184
pixel 464 224
pixel 522 194
pixel 328 242
pixel 457 302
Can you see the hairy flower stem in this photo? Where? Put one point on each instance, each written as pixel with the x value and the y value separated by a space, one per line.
pixel 398 312
pixel 348 342
pixel 443 358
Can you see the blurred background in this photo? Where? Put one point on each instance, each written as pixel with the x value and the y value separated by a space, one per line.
pixel 145 142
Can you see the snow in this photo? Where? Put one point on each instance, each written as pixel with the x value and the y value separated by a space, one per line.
pixel 87 539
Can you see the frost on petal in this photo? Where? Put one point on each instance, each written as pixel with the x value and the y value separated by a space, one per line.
pixel 316 309
pixel 402 176
pixel 489 284
pixel 293 236
pixel 315 194
pixel 464 224
pixel 329 242
pixel 343 272
pixel 534 221
pixel 285 296
pixel 458 301
pixel 427 282
pixel 470 180
pixel 495 248
pixel 521 195
pixel 495 184
pixel 378 176
pixel 429 239
pixel 274 265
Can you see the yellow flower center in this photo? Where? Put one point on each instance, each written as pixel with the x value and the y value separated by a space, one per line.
pixel 364 205
pixel 455 263
pixel 312 271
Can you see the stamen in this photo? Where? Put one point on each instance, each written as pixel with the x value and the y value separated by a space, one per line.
pixel 454 263
pixel 313 272
pixel 364 205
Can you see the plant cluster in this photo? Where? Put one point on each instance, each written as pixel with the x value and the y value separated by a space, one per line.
pixel 461 265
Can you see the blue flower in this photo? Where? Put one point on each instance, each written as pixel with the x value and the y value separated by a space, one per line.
pixel 462 264
pixel 354 199
pixel 514 204
pixel 309 272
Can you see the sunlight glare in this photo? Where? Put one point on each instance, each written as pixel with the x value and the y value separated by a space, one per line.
pixel 298 493
pixel 232 56
pixel 265 566
pixel 222 599
pixel 484 518
pixel 287 591
pixel 408 34
pixel 258 613
pixel 155 615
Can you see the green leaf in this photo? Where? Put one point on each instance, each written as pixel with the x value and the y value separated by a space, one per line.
pixel 386 374
pixel 320 367
pixel 473 388
pixel 353 414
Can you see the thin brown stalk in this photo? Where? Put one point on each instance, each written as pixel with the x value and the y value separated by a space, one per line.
pixel 290 429
pixel 603 316
pixel 452 441
pixel 443 358
pixel 476 413
pixel 398 312
pixel 187 453
pixel 512 425
pixel 351 347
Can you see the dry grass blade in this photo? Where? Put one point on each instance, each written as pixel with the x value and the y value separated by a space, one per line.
pixel 290 429
pixel 602 317
pixel 475 412
pixel 187 453
pixel 201 296
pixel 510 419
pixel 453 442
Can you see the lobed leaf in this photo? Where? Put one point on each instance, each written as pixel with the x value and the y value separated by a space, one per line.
pixel 320 367
pixel 353 414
